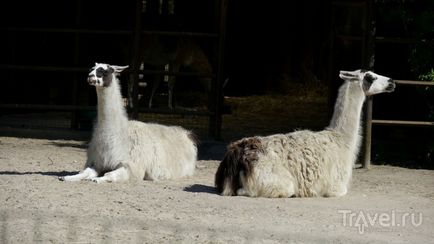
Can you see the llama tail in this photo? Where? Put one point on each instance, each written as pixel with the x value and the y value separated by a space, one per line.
pixel 238 160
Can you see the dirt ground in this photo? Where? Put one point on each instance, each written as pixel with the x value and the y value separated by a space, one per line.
pixel 385 205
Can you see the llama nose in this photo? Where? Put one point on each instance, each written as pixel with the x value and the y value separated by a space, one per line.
pixel 391 86
pixel 91 79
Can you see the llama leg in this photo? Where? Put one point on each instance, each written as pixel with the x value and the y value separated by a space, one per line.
pixel 244 192
pixel 287 190
pixel 337 191
pixel 117 175
pixel 247 189
pixel 278 184
pixel 267 185
pixel 278 189
pixel 86 174
pixel 270 190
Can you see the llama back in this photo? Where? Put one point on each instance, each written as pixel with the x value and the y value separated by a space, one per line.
pixel 316 160
pixel 161 152
pixel 303 157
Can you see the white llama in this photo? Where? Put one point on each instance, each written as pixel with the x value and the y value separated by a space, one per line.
pixel 303 163
pixel 121 148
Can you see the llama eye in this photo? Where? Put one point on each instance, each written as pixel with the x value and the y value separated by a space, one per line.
pixel 100 72
pixel 369 78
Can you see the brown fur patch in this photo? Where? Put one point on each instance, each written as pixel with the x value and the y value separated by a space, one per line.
pixel 240 156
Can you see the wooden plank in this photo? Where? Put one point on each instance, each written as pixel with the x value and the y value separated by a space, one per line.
pixel 394 40
pixel 176 111
pixel 216 103
pixel 366 160
pixel 80 69
pixel 110 32
pixel 162 72
pixel 403 122
pixel 415 82
pixel 71 31
pixel 133 94
pixel 44 68
pixel 350 37
pixel 399 40
pixel 180 33
pixel 348 4
pixel 368 59
pixel 47 107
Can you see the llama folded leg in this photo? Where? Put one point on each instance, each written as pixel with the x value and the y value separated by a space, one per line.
pixel 117 175
pixel 266 185
pixel 337 191
pixel 85 174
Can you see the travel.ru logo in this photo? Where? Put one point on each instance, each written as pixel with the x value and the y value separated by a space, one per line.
pixel 393 219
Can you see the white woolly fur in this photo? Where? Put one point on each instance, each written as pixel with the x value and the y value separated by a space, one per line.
pixel 121 148
pixel 303 163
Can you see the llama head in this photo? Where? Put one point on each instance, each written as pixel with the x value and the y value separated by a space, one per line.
pixel 370 82
pixel 102 75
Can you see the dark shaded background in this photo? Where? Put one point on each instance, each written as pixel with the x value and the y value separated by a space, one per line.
pixel 272 47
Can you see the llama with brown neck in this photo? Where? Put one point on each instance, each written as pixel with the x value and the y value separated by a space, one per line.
pixel 303 163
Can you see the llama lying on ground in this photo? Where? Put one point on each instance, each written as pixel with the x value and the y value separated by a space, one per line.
pixel 121 148
pixel 303 163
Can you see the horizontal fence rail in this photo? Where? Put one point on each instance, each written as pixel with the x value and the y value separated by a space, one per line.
pixel 384 122
pixel 111 32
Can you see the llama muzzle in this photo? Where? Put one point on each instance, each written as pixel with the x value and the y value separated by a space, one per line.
pixel 91 80
pixel 391 86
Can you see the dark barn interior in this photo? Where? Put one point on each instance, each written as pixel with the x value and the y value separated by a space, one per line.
pixel 254 67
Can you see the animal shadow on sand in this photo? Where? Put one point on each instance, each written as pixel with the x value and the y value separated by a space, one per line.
pixel 47 173
pixel 199 188
pixel 69 144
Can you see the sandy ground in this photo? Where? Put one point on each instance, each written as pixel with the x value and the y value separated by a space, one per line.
pixel 385 205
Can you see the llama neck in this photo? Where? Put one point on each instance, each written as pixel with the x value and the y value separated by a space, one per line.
pixel 347 112
pixel 111 112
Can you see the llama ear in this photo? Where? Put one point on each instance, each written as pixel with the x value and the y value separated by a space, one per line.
pixel 119 69
pixel 348 75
